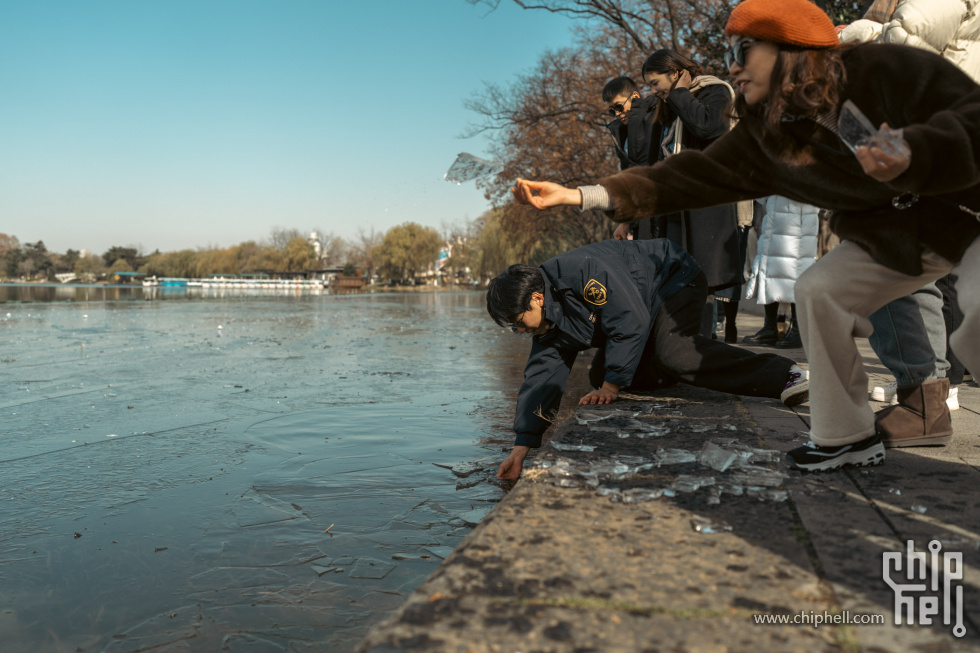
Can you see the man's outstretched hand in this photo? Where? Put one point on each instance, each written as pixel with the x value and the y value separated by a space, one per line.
pixel 511 468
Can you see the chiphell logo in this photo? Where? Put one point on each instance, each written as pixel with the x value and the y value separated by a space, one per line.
pixel 936 594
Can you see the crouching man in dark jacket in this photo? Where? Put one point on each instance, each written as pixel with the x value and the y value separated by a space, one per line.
pixel 639 302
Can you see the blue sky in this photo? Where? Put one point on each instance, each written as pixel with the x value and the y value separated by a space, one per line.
pixel 173 124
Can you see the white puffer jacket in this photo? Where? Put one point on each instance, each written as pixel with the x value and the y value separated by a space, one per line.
pixel 787 247
pixel 947 27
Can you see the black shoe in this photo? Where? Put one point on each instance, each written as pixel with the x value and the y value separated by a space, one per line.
pixel 791 340
pixel 811 457
pixel 764 336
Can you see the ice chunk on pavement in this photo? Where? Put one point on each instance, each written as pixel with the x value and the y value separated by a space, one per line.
pixel 706 525
pixel 691 483
pixel 675 456
pixel 589 415
pixel 637 495
pixel 611 469
pixel 759 476
pixel 715 457
pixel 569 468
pixel 562 446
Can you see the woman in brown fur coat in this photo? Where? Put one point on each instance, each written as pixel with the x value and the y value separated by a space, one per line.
pixel 905 216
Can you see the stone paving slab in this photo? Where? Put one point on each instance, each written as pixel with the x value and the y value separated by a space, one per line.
pixel 570 562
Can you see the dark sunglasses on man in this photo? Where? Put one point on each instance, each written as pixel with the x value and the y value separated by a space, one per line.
pixel 619 107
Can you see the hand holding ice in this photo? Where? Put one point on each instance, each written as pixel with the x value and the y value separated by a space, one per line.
pixel 856 131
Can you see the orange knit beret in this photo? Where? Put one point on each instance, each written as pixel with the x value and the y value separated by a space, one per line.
pixel 793 22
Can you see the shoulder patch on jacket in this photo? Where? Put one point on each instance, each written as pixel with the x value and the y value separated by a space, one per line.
pixel 594 293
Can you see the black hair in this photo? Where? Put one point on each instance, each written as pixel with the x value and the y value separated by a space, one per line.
pixel 665 62
pixel 509 293
pixel 618 86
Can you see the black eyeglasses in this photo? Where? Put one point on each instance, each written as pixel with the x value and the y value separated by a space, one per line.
pixel 737 53
pixel 619 107
pixel 517 324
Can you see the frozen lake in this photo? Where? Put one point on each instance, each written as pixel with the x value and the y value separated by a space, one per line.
pixel 236 471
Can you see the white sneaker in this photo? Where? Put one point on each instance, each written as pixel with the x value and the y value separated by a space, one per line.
pixel 886 393
pixel 889 394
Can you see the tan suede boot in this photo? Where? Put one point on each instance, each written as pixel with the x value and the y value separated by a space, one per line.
pixel 921 417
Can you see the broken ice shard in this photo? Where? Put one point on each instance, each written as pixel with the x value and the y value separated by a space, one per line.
pixel 467 167
pixel 715 457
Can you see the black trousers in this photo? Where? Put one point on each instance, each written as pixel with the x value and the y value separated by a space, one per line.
pixel 675 351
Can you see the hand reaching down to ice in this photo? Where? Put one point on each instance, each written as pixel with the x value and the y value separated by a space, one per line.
pixel 510 469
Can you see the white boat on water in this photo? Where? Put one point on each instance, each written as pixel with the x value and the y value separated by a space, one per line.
pixel 235 283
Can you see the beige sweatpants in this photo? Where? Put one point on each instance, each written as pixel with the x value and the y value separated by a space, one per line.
pixel 834 298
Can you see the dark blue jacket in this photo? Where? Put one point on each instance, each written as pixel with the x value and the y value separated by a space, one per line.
pixel 600 295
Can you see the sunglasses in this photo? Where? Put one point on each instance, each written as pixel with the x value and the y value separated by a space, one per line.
pixel 619 107
pixel 737 54
pixel 517 324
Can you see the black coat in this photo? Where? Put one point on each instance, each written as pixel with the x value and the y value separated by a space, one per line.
pixel 710 234
pixel 634 140
pixel 603 295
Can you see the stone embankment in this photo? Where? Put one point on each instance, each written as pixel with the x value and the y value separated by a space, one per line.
pixel 671 523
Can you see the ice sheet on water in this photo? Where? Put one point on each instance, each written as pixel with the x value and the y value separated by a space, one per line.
pixel 371 569
pixel 715 457
pixel 467 167
pixel 461 469
pixel 440 551
pixel 475 516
